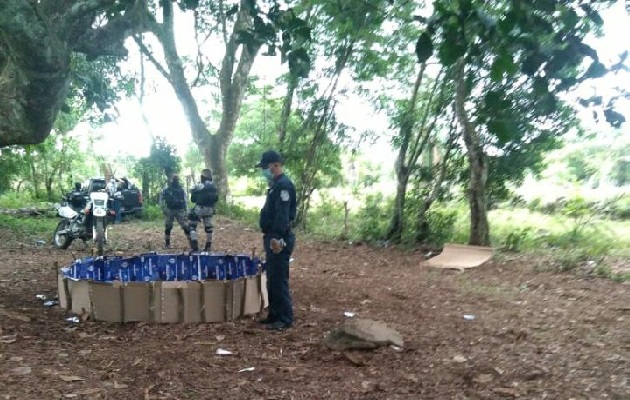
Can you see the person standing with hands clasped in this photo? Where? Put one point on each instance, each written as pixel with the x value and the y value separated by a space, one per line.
pixel 276 218
pixel 205 196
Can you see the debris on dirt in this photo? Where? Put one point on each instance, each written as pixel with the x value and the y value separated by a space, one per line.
pixel 21 370
pixel 355 359
pixel 70 378
pixel 248 369
pixel 220 337
pixel 483 378
pixel 74 319
pixel 507 392
pixel 223 352
pixel 349 314
pixel 459 359
pixel 50 303
pixel 469 317
pixel 8 339
pixel 41 297
pixel 14 315
pixel 362 334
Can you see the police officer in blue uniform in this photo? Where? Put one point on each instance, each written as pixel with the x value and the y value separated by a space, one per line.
pixel 276 218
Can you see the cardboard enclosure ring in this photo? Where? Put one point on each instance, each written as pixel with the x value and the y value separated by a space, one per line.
pixel 164 288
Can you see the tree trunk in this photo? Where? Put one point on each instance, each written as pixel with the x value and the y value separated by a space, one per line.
pixel 233 78
pixel 423 230
pixel 49 189
pixel 286 110
pixel 396 224
pixel 479 226
pixel 37 40
pixel 402 167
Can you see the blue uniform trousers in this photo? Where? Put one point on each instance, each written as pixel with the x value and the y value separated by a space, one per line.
pixel 280 304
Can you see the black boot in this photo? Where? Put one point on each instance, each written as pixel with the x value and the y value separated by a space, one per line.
pixel 167 243
pixel 194 246
pixel 207 246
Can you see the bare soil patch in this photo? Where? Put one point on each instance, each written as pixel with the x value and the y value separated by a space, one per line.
pixel 535 335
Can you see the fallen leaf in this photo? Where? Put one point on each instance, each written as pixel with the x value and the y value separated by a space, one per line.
pixel 71 395
pixel 70 378
pixel 506 391
pixel 8 339
pixel 482 378
pixel 220 337
pixel 120 385
pixel 87 392
pixel 355 359
pixel 499 370
pixel 85 352
pixel 459 359
pixel 137 361
pixel 21 371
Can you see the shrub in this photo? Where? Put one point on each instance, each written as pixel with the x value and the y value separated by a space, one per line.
pixel 373 218
pixel 151 212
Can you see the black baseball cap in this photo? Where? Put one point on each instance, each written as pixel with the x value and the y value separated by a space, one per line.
pixel 269 157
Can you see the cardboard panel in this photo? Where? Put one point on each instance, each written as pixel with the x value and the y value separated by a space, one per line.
pixel 252 297
pixel 168 300
pixel 80 295
pixel 137 302
pixel 107 301
pixel 214 293
pixel 192 302
pixel 63 292
pixel 237 298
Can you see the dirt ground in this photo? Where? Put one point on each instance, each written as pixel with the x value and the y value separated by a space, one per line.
pixel 535 335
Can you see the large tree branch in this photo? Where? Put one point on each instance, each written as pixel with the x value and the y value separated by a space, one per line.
pixel 145 51
pixel 80 9
pixel 109 38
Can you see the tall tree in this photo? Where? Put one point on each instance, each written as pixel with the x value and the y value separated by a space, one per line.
pixel 243 28
pixel 511 60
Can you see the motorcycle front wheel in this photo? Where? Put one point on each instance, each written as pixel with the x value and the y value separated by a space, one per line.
pixel 62 240
pixel 100 235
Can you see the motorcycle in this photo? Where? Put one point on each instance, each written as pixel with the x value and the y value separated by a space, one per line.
pixel 75 223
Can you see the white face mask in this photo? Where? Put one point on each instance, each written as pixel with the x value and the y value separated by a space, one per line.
pixel 268 174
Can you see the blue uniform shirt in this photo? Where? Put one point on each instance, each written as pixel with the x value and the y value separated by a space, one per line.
pixel 280 208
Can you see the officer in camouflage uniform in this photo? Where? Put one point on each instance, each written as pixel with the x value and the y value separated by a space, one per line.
pixel 205 196
pixel 276 219
pixel 173 203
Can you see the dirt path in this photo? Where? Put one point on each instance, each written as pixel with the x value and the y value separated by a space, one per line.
pixel 535 335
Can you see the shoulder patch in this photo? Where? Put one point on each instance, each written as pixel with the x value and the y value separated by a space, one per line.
pixel 284 195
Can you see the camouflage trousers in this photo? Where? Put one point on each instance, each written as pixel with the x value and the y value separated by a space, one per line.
pixel 203 215
pixel 169 217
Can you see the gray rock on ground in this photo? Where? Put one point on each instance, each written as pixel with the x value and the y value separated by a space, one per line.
pixel 362 334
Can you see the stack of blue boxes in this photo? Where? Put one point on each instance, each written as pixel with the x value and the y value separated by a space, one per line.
pixel 164 267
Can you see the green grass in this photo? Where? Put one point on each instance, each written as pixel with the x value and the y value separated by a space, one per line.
pixel 40 227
